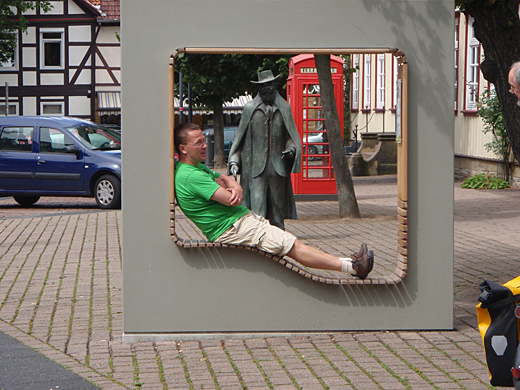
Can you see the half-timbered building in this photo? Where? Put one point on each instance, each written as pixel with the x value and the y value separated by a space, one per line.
pixel 67 63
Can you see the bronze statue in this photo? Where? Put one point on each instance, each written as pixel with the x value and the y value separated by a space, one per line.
pixel 266 150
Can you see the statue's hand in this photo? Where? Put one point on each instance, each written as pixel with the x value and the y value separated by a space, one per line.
pixel 233 169
pixel 288 153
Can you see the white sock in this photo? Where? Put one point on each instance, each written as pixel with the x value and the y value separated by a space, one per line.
pixel 346 265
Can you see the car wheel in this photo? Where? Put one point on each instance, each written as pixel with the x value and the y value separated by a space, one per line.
pixel 26 200
pixel 108 192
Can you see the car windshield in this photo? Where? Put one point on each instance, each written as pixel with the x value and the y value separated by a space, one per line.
pixel 97 137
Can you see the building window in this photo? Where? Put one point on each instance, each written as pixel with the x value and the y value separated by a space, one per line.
pixel 355 82
pixel 52 109
pixel 11 110
pixel 472 68
pixel 380 81
pixel 9 58
pixel 51 49
pixel 366 82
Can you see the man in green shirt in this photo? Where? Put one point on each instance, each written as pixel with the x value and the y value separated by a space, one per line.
pixel 212 201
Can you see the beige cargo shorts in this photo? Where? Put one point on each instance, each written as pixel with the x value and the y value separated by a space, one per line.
pixel 254 230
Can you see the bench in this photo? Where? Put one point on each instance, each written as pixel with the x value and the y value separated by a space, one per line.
pixel 321 276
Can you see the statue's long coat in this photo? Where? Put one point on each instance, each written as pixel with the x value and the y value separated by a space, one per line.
pixel 250 150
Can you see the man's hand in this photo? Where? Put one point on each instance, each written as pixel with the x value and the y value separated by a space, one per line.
pixel 236 196
pixel 231 193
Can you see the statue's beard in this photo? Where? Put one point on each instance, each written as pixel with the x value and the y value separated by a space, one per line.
pixel 267 98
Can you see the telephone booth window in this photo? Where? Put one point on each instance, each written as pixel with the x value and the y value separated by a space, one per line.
pixel 316 157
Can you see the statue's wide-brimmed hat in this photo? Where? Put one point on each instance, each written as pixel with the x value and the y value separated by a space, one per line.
pixel 265 76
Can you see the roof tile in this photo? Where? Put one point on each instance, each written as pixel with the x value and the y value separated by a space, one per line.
pixel 109 9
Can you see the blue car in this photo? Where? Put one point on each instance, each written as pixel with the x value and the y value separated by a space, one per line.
pixel 59 156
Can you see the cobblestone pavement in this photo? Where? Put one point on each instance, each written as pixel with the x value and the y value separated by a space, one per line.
pixel 60 294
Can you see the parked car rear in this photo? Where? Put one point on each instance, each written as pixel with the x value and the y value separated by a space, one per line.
pixel 59 156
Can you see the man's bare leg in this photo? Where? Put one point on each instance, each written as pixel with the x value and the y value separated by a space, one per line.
pixel 313 257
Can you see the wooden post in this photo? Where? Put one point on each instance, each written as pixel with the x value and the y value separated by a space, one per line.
pixel 402 148
pixel 172 145
pixel 402 171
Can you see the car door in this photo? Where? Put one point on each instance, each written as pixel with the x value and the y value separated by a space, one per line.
pixel 58 167
pixel 17 160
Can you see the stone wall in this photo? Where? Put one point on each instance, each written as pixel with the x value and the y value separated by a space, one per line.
pixel 466 166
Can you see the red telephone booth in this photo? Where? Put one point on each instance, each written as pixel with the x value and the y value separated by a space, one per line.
pixel 303 93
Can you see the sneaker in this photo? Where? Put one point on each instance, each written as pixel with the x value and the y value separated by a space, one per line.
pixel 364 265
pixel 360 253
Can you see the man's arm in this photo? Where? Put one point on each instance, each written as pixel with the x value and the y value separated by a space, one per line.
pixel 230 192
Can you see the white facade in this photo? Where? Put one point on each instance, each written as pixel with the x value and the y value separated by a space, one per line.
pixel 470 84
pixel 373 84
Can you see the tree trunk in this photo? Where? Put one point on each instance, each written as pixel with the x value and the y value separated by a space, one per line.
pixel 497 27
pixel 218 131
pixel 348 206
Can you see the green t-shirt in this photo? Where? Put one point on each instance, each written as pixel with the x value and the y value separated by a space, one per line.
pixel 194 186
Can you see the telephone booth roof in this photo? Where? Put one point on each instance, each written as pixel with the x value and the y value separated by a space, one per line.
pixel 307 61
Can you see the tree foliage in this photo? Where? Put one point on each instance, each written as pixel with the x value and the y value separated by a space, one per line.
pixel 497 27
pixel 489 111
pixel 214 78
pixel 12 19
